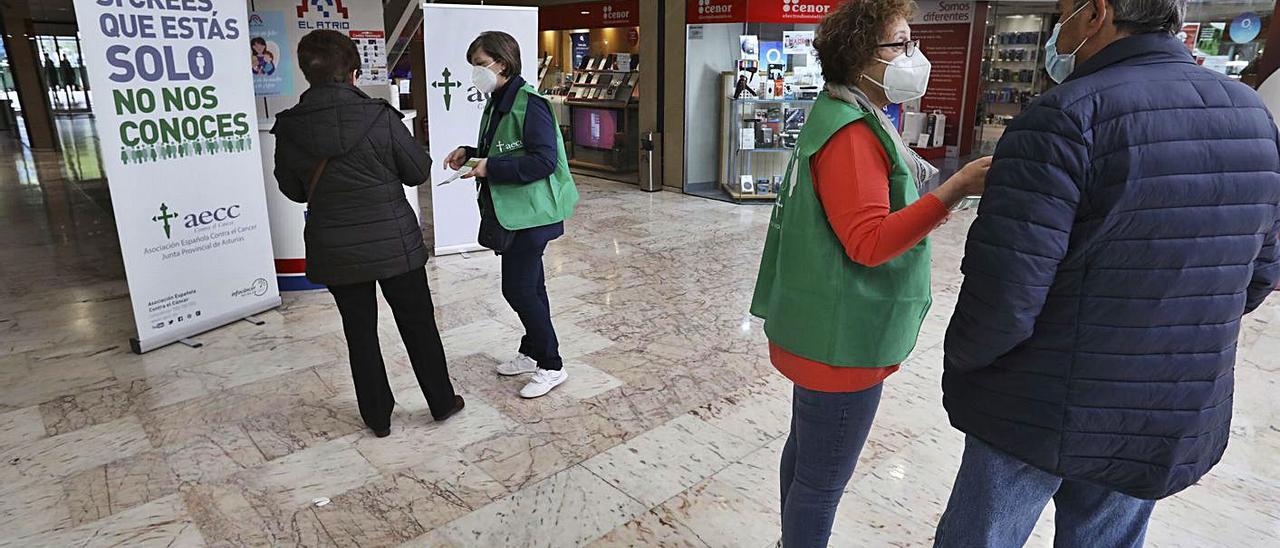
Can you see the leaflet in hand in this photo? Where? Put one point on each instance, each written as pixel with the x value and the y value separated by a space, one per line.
pixel 968 202
pixel 465 169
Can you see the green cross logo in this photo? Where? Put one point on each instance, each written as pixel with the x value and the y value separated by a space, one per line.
pixel 446 84
pixel 164 217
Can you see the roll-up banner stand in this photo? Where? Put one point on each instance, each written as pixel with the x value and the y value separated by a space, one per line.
pixel 175 115
pixel 454 106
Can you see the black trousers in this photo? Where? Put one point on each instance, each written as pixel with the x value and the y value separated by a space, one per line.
pixel 524 285
pixel 410 300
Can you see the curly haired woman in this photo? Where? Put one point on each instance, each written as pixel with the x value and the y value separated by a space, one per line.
pixel 844 281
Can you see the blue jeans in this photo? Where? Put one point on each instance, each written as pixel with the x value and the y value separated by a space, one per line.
pixel 997 500
pixel 524 285
pixel 828 430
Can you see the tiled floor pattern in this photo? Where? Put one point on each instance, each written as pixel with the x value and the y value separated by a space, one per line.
pixel 668 432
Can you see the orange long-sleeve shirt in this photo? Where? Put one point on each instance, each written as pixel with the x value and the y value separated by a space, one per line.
pixel 851 178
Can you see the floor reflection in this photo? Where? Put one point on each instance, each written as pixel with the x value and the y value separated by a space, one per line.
pixel 57 232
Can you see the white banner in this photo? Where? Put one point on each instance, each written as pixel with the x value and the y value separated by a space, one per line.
pixel 175 116
pixel 454 106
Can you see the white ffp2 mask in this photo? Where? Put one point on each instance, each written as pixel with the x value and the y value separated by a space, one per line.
pixel 484 79
pixel 906 78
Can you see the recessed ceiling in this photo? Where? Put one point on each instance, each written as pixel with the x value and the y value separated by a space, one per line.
pixel 52 11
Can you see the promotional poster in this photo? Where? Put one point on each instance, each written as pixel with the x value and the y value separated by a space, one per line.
pixel 180 147
pixel 269 54
pixel 455 106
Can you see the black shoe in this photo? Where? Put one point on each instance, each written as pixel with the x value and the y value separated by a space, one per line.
pixel 382 433
pixel 458 404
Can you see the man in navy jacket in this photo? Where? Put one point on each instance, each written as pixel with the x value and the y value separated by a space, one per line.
pixel 1130 220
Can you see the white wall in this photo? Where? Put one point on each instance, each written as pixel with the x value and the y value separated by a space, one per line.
pixel 716 52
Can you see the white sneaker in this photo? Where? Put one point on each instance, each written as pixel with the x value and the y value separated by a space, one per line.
pixel 520 365
pixel 542 382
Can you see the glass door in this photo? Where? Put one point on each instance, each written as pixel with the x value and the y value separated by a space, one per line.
pixel 63 74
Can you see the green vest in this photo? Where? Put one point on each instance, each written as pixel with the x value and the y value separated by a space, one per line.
pixel 816 302
pixel 521 204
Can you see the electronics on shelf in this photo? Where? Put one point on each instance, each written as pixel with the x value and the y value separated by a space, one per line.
pixel 602 79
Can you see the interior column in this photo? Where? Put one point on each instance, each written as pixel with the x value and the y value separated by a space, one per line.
pixel 19 42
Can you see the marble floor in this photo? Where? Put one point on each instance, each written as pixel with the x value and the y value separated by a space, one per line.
pixel 667 434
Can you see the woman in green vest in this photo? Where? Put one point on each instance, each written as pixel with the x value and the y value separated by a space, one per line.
pixel 526 193
pixel 844 280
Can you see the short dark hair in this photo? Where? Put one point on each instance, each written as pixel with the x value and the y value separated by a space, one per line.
pixel 501 47
pixel 258 41
pixel 847 38
pixel 327 56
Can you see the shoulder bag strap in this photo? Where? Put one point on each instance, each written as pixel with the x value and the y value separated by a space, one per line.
pixel 315 179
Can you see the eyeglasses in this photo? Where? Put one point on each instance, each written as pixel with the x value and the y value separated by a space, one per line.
pixel 909 47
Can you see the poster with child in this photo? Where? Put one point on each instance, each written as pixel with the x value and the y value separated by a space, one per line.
pixel 272 75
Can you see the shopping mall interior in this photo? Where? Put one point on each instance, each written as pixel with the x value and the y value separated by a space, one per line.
pixel 116 432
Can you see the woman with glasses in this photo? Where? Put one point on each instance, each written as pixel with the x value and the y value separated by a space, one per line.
pixel 844 280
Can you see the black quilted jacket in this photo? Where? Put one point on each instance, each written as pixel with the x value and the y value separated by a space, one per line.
pixel 360 227
pixel 1130 220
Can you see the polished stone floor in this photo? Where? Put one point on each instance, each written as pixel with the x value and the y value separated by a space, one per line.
pixel 667 433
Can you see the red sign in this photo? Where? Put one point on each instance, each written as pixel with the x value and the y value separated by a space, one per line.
pixel 698 12
pixel 715 11
pixel 590 15
pixel 947 47
pixel 946 33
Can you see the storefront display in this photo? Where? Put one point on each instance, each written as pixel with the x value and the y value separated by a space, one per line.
pixel 746 60
pixel 1229 37
pixel 751 80
pixel 950 35
pixel 745 123
pixel 763 127
pixel 590 68
pixel 1012 66
pixel 753 76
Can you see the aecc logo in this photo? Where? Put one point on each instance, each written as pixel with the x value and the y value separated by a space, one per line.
pixel 195 220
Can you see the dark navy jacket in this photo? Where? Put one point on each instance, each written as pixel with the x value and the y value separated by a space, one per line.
pixel 540 133
pixel 1130 219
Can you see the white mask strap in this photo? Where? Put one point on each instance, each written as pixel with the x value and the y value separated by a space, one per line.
pixel 1077 12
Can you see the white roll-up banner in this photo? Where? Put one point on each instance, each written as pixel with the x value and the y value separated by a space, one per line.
pixel 173 90
pixel 455 106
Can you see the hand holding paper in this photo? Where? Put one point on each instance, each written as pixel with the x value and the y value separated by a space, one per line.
pixel 481 169
pixel 462 171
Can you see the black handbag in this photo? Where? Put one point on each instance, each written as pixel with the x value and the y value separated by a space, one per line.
pixel 492 234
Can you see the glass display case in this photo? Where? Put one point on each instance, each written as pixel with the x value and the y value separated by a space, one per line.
pixel 749 88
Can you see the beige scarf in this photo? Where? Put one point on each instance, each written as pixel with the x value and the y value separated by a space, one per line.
pixel 921 169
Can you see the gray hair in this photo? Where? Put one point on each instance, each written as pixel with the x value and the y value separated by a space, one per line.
pixel 1147 16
